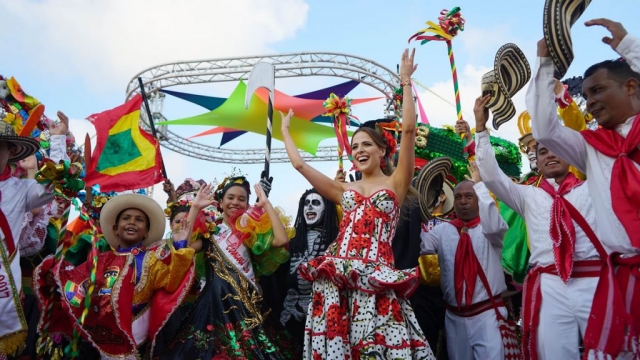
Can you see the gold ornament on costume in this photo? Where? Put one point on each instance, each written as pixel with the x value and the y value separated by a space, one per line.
pixel 524 126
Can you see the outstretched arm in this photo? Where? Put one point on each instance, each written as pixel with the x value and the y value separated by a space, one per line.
pixel 326 187
pixel 493 226
pixel 403 174
pixel 490 173
pixel 628 46
pixel 564 142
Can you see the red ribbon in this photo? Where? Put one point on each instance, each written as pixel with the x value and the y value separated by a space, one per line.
pixel 465 270
pixel 625 177
pixel 561 228
pixel 340 126
pixel 6 174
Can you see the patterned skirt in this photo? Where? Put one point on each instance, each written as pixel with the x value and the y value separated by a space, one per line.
pixel 227 321
pixel 359 310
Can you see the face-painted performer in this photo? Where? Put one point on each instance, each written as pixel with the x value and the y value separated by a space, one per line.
pixel 316 227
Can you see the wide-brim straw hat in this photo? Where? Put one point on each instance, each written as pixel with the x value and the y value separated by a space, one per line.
pixel 147 205
pixel 559 16
pixel 432 178
pixel 511 71
pixel 25 146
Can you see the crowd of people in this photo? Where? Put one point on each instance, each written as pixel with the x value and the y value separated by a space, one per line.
pixel 353 276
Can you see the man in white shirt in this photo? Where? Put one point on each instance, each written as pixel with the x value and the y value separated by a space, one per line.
pixel 564 263
pixel 466 247
pixel 611 160
pixel 16 198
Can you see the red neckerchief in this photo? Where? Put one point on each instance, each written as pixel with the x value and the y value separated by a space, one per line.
pixel 465 271
pixel 561 228
pixel 625 177
pixel 6 173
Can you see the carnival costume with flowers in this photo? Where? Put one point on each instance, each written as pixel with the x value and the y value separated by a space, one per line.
pixel 228 318
pixel 136 288
pixel 359 307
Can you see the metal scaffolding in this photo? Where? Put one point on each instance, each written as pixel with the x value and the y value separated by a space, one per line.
pixel 235 69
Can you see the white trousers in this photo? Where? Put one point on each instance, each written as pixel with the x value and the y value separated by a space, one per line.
pixel 474 338
pixel 563 316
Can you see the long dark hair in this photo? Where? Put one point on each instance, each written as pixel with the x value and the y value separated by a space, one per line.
pixel 329 224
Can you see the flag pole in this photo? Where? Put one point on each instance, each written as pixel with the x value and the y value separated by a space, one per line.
pixel 152 125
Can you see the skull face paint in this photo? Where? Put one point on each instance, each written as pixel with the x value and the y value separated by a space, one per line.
pixel 313 209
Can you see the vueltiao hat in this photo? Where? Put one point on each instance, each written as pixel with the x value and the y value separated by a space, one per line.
pixel 117 204
pixel 25 146
pixel 510 73
pixel 559 16
pixel 429 181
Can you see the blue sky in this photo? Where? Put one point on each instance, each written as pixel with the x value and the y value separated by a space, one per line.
pixel 78 55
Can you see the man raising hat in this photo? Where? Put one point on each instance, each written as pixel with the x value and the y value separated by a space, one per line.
pixel 611 160
pixel 564 264
pixel 16 198
pixel 469 250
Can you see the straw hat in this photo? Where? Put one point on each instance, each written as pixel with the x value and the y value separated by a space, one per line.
pixel 25 146
pixel 117 204
pixel 559 16
pixel 510 73
pixel 429 181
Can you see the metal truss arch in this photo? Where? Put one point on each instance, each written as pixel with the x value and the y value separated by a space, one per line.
pixel 288 65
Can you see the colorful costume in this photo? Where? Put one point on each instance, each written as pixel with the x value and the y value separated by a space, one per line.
pixel 135 292
pixel 228 319
pixel 471 323
pixel 611 160
pixel 360 305
pixel 16 198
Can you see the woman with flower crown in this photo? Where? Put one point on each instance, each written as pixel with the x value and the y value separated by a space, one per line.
pixel 360 307
pixel 227 320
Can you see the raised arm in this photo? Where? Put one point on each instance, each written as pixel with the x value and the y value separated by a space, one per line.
pixel 330 189
pixel 204 198
pixel 280 237
pixel 403 174
pixel 564 142
pixel 491 174
pixel 626 45
pixel 493 226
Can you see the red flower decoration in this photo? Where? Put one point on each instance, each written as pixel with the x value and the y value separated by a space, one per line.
pixel 383 305
pixel 335 319
pixel 316 355
pixel 210 327
pixel 379 339
pixel 392 144
pixel 396 311
pixel 317 305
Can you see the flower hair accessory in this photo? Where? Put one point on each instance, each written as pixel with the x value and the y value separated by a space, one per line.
pixel 229 182
pixel 391 142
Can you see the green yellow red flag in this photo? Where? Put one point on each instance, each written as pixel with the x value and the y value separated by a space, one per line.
pixel 125 157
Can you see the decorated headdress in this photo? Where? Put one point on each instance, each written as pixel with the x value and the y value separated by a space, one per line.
pixel 185 194
pixel 524 126
pixel 390 131
pixel 229 182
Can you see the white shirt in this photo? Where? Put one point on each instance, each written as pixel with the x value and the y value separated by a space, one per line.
pixel 534 205
pixel 568 144
pixel 487 244
pixel 22 195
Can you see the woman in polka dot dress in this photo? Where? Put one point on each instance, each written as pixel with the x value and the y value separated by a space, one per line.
pixel 360 307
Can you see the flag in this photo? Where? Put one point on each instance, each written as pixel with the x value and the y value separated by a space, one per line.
pixel 125 157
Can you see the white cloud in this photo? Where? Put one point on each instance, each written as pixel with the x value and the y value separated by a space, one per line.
pixel 105 43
